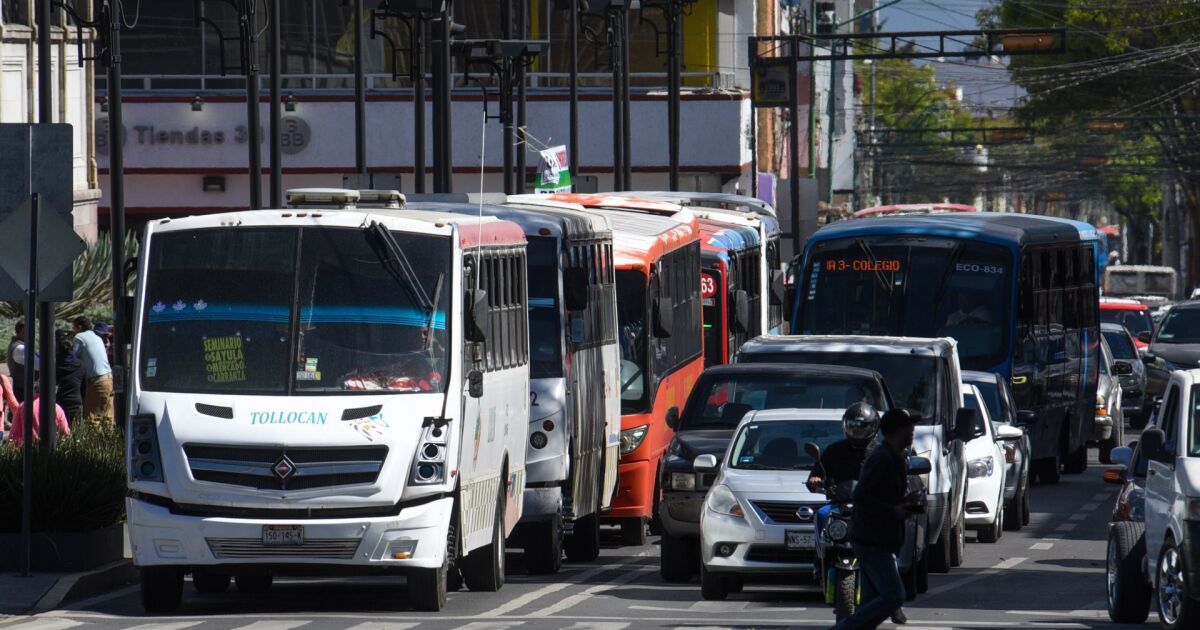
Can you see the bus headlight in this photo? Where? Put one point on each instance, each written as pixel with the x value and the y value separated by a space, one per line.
pixel 429 464
pixel 982 467
pixel 631 439
pixel 144 459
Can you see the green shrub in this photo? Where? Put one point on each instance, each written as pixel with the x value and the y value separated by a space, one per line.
pixel 80 486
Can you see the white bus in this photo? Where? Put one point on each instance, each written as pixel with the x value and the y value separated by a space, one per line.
pixel 575 408
pixel 327 391
pixel 1151 284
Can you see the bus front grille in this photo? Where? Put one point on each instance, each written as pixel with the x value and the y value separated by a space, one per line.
pixel 316 548
pixel 277 468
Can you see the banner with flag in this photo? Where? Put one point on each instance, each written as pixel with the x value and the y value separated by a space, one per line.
pixel 554 175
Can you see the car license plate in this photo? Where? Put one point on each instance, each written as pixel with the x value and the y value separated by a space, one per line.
pixel 796 539
pixel 282 535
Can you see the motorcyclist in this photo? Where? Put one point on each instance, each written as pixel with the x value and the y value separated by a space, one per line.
pixel 843 460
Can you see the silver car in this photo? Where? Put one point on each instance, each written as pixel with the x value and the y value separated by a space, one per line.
pixel 1133 385
pixel 1109 429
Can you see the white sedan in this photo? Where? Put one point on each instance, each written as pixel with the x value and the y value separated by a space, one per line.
pixel 759 516
pixel 986 469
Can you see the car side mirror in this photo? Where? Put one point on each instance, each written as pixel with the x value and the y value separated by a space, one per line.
pixel 778 293
pixel 1122 455
pixel 812 450
pixel 1026 417
pixel 673 418
pixel 964 425
pixel 575 289
pixel 477 316
pixel 919 466
pixel 742 310
pixel 1122 368
pixel 1152 445
pixel 664 317
pixel 1149 358
pixel 705 463
pixel 1008 432
pixel 475 383
pixel 1143 337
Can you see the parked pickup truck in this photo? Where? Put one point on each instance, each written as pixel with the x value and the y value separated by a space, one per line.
pixel 1163 557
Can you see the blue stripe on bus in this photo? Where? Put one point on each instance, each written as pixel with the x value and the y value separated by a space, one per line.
pixel 541 302
pixel 222 312
pixel 394 315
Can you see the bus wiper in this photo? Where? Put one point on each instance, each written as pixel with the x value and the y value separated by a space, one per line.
pixel 862 244
pixel 429 323
pixel 397 264
pixel 941 285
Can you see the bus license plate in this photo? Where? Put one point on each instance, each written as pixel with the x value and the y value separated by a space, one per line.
pixel 282 535
pixel 800 540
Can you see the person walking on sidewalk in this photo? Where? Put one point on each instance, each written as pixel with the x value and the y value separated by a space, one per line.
pixel 97 373
pixel 16 360
pixel 69 379
pixel 877 532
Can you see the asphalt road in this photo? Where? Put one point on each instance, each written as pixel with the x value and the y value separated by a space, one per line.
pixel 1048 575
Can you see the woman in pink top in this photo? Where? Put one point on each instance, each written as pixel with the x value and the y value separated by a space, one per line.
pixel 17 434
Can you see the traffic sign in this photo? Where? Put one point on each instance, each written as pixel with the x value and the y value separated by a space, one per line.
pixel 38 158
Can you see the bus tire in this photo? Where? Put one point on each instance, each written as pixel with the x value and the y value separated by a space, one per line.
pixel 253 583
pixel 583 545
pixel 1049 470
pixel 483 569
pixel 207 582
pixel 427 588
pixel 543 546
pixel 633 532
pixel 677 557
pixel 162 589
pixel 1077 462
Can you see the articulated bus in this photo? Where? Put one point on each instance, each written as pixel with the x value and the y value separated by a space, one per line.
pixel 656 248
pixel 1018 293
pixel 327 390
pixel 740 209
pixel 731 259
pixel 575 418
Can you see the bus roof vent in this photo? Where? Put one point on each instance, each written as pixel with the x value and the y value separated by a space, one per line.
pixel 381 199
pixel 322 198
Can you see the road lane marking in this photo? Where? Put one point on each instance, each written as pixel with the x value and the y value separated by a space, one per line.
pixel 1088 507
pixel 48 624
pixel 1042 546
pixel 717 607
pixel 1078 517
pixel 986 573
pixel 549 589
pixel 383 625
pixel 166 626
pixel 578 598
pixel 274 625
pixel 1066 527
pixel 598 625
pixel 1100 496
pixel 491 625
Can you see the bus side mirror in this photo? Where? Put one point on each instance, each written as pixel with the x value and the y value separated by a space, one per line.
pixel 778 295
pixel 664 322
pixel 477 316
pixel 475 383
pixel 742 310
pixel 673 418
pixel 575 293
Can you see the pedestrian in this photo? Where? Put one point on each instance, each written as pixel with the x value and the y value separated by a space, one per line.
pixel 16 360
pixel 69 377
pixel 97 373
pixel 877 532
pixel 17 435
pixel 8 401
pixel 104 332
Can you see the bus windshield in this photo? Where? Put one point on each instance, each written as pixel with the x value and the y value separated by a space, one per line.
pixel 887 285
pixel 294 311
pixel 911 379
pixel 545 324
pixel 631 335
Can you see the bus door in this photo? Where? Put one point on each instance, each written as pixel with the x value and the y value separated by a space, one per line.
pixel 712 295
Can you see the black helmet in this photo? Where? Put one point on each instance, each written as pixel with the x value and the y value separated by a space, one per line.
pixel 860 422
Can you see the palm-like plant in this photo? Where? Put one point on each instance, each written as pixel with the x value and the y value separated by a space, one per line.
pixel 92 277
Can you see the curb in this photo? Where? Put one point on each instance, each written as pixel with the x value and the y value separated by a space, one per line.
pixel 82 585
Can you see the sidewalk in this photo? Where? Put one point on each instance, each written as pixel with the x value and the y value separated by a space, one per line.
pixel 44 591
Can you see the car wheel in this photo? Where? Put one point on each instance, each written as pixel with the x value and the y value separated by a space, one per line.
pixel 206 582
pixel 1077 462
pixel 1013 517
pixel 991 533
pixel 1105 450
pixel 633 532
pixel 958 545
pixel 676 558
pixel 543 546
pixel 1026 509
pixel 1128 592
pixel 909 578
pixel 939 553
pixel 1176 607
pixel 923 573
pixel 1049 470
pixel 712 585
pixel 845 595
pixel 162 589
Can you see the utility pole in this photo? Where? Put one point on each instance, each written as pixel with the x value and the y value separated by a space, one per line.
pixel 573 72
pixel 506 135
pixel 626 118
pixel 249 32
pixel 276 114
pixel 616 41
pixel 673 13
pixel 360 96
pixel 443 154
pixel 522 101
pixel 45 309
pixel 110 38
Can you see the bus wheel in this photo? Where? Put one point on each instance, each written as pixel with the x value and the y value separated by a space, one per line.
pixel 583 545
pixel 427 587
pixel 1077 462
pixel 633 532
pixel 1049 470
pixel 483 569
pixel 162 589
pixel 543 546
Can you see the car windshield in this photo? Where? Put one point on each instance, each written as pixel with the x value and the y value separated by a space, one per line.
pixel 894 285
pixel 631 323
pixel 779 445
pixel 1136 322
pixel 545 324
pixel 1181 325
pixel 720 401
pixel 912 380
pixel 275 311
pixel 990 391
pixel 1194 429
pixel 1119 343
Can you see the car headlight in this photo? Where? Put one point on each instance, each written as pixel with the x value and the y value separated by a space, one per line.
pixel 631 439
pixel 683 481
pixel 837 530
pixel 982 467
pixel 722 501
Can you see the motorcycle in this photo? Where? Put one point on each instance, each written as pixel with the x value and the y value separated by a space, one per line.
pixel 837 565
